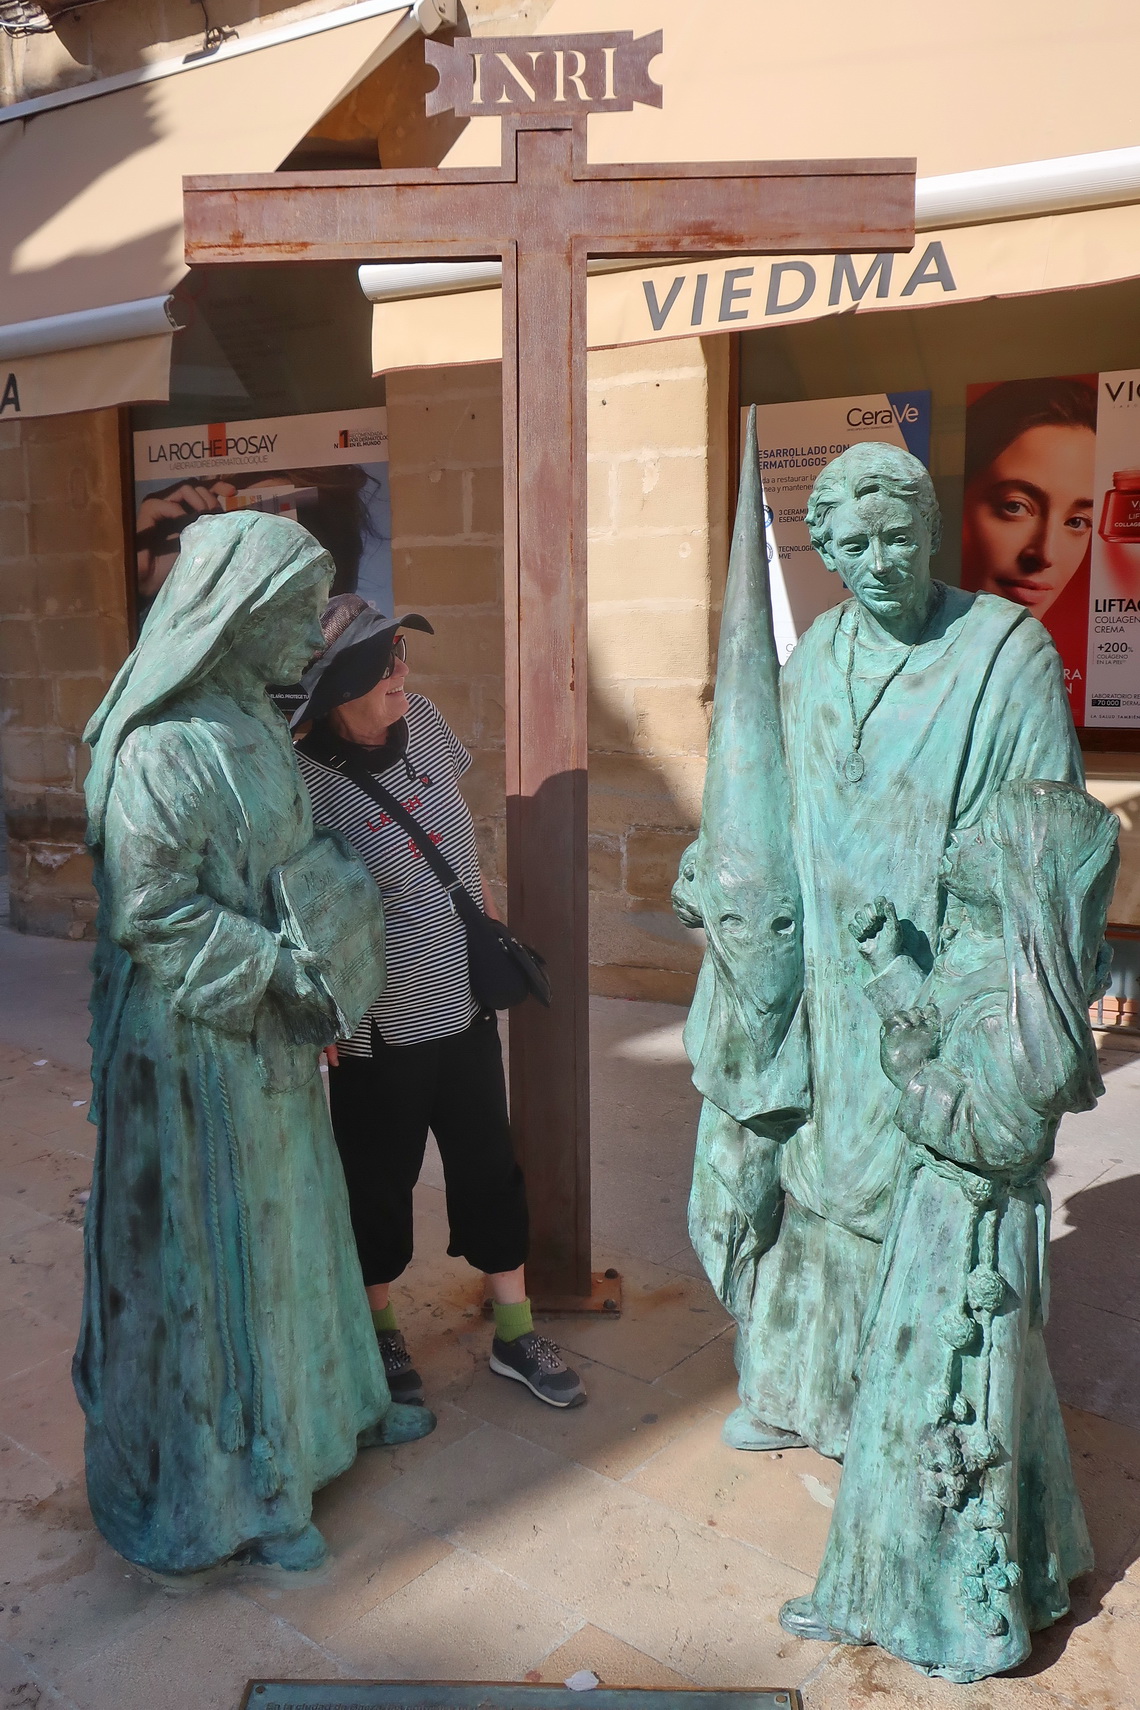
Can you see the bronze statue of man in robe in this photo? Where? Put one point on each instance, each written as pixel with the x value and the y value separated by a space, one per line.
pixel 889 729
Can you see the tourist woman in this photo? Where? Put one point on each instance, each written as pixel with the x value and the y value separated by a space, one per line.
pixel 427 1055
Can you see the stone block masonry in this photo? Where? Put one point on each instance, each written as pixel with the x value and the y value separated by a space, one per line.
pixel 445 444
pixel 63 634
pixel 658 507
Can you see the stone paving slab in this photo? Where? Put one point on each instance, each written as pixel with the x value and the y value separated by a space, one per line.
pixel 518 1542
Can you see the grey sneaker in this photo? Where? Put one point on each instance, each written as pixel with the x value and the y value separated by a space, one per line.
pixel 404 1382
pixel 536 1361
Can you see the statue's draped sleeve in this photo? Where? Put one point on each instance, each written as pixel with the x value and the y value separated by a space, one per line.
pixel 966 1105
pixel 215 964
pixel 1023 727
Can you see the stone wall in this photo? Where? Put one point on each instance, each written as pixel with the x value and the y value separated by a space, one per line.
pixel 63 635
pixel 446 473
pixel 658 471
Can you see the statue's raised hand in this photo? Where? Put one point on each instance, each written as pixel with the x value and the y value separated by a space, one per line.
pixel 910 1040
pixel 875 928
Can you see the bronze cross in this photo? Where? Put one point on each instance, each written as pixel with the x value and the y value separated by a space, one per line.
pixel 543 211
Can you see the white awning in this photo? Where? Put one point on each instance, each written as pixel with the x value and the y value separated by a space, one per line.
pixel 91 197
pixel 115 324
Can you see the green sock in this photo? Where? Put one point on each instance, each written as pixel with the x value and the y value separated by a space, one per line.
pixel 383 1318
pixel 513 1320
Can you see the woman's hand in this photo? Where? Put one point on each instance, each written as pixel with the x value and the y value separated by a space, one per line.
pixel 489 908
pixel 875 928
pixel 331 1056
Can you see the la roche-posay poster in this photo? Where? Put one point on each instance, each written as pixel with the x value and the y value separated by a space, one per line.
pixel 796 440
pixel 327 471
pixel 1051 521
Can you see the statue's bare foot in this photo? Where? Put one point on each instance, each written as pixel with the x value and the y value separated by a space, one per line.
pixel 742 1431
pixel 399 1425
pixel 306 1549
pixel 799 1617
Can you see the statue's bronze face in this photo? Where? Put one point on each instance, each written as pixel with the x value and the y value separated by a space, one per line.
pixel 278 643
pixel 881 548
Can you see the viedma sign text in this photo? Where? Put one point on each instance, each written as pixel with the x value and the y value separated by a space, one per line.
pixel 328 472
pixel 796 440
pixel 1051 521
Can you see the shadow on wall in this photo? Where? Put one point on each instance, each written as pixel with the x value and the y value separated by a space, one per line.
pixel 644 812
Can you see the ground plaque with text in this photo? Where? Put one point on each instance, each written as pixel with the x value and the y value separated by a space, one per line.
pixel 493 1695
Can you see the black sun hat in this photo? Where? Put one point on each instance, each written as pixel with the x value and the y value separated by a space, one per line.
pixel 357 653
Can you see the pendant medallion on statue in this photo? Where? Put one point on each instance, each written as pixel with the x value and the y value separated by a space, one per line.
pixel 854 767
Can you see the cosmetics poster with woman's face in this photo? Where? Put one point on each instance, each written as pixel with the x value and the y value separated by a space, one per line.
pixel 327 471
pixel 1028 502
pixel 1051 521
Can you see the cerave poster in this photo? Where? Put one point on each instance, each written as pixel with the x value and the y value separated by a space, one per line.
pixel 796 440
pixel 327 471
pixel 1051 521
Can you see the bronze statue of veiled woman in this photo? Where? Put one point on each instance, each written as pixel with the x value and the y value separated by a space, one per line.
pixel 226 1362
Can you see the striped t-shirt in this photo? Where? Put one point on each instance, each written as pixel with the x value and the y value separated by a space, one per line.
pixel 428 993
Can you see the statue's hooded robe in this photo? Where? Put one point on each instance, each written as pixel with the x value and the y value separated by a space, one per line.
pixel 981 701
pixel 226 1362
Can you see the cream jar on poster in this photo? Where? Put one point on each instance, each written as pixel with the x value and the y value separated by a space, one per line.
pixel 1120 512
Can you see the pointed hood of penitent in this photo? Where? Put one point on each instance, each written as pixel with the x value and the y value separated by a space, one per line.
pixel 739 877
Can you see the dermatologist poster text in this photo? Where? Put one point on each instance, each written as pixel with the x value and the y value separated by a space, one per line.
pixel 328 472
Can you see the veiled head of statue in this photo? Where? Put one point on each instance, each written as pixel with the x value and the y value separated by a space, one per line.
pixel 246 593
pixel 873 518
pixel 247 588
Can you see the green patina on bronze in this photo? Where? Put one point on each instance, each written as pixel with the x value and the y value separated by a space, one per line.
pixel 226 1363
pixel 868 1195
pixel 745 1030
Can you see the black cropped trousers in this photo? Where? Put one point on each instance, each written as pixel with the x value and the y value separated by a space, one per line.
pixel 382 1107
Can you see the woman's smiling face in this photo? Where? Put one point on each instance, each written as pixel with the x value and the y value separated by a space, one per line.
pixel 1028 516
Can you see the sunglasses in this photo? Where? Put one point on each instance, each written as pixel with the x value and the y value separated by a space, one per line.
pixel 399 651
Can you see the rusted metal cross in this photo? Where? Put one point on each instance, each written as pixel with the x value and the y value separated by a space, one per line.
pixel 543 211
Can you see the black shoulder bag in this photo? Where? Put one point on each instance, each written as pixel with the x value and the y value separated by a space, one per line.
pixel 504 972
